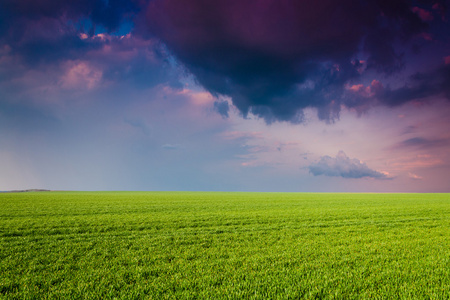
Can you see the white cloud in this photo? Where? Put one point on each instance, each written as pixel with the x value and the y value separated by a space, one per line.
pixel 343 166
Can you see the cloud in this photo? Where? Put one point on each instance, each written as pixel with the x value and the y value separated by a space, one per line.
pixel 273 58
pixel 46 32
pixel 343 166
pixel 139 125
pixel 43 31
pixel 413 162
pixel 420 87
pixel 118 63
pixel 447 60
pixel 425 15
pixel 276 57
pixel 423 143
pixel 81 75
pixel 109 14
pixel 414 176
pixel 410 129
pixel 172 146
pixel 222 108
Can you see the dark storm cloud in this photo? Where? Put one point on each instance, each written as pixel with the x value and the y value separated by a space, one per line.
pixel 272 57
pixel 343 166
pixel 276 57
pixel 47 30
pixel 420 86
pixel 49 36
pixel 108 13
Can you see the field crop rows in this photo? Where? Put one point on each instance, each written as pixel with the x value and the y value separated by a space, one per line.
pixel 158 245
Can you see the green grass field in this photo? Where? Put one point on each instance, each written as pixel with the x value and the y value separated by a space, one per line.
pixel 158 245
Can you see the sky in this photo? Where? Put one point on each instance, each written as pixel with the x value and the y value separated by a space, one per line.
pixel 225 95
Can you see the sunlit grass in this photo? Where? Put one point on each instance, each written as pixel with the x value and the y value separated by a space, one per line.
pixel 160 245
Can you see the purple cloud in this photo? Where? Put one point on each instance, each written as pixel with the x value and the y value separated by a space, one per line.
pixel 423 143
pixel 43 31
pixel 275 58
pixel 343 166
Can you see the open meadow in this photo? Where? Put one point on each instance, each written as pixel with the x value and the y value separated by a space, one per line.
pixel 188 245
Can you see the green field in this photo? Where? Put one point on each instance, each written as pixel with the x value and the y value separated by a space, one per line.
pixel 159 245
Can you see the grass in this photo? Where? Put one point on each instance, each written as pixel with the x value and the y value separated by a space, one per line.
pixel 158 245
